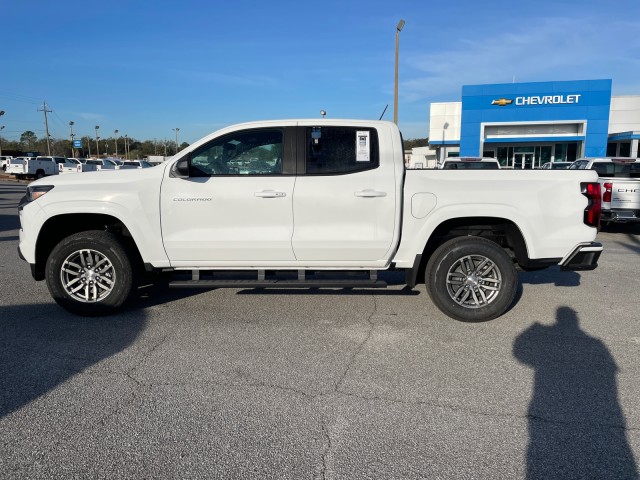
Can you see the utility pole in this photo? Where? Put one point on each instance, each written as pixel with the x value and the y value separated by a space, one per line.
pixel 46 125
pixel 116 133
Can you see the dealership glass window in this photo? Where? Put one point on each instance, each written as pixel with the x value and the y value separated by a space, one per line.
pixel 612 149
pixel 341 150
pixel 505 154
pixel 545 154
pixel 572 152
pixel 625 149
pixel 560 152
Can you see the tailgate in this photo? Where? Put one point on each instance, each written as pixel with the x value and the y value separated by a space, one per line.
pixel 625 193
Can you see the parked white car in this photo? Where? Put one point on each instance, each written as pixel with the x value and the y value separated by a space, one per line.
pixel 70 166
pixel 129 164
pixel 97 164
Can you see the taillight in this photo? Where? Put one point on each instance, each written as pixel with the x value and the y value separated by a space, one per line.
pixel 594 208
pixel 606 197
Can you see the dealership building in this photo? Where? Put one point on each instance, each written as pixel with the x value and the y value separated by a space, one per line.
pixel 525 125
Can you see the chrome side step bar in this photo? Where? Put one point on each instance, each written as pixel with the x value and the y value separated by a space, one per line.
pixel 278 279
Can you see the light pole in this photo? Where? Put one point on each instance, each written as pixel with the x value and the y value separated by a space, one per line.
pixel 116 132
pixel 1 128
pixel 97 144
pixel 126 152
pixel 176 130
pixel 399 28
pixel 73 150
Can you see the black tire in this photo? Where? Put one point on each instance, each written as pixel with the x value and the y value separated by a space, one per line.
pixel 471 279
pixel 39 174
pixel 100 264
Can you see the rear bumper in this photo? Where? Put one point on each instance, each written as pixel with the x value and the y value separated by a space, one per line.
pixel 583 257
pixel 621 216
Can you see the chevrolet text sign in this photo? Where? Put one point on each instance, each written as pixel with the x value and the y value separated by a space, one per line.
pixel 548 100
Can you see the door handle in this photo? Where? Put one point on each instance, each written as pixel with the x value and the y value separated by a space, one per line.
pixel 270 194
pixel 370 193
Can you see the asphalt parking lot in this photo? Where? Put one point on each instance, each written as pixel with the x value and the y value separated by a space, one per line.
pixel 323 384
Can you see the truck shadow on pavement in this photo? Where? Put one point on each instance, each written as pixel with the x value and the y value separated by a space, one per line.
pixel 42 346
pixel 552 275
pixel 576 425
pixel 9 222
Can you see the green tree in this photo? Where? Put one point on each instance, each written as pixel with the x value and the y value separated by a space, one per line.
pixel 28 139
pixel 416 142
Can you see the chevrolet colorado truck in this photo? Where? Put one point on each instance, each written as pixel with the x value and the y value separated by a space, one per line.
pixel 306 204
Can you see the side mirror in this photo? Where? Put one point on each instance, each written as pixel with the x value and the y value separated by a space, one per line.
pixel 180 169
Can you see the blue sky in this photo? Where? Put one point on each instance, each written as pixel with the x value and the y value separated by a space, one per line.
pixel 146 67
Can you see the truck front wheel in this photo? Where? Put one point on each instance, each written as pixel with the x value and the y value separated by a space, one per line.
pixel 90 273
pixel 471 279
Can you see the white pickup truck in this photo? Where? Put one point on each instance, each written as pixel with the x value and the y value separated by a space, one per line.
pixel 620 184
pixel 38 167
pixel 306 204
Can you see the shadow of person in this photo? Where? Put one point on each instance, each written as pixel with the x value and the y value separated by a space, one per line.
pixel 576 426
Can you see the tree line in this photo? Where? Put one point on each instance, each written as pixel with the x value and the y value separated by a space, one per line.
pixel 29 142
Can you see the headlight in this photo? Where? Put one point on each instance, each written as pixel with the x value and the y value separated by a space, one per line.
pixel 33 193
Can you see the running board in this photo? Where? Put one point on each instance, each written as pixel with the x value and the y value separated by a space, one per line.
pixel 299 280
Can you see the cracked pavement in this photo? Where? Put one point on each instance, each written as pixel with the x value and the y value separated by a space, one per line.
pixel 323 384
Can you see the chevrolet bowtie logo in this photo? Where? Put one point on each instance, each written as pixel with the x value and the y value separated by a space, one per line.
pixel 502 102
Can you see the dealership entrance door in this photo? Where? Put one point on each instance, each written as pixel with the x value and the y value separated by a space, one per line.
pixel 522 160
pixel 520 157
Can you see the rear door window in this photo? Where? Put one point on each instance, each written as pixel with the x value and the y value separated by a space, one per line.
pixel 340 150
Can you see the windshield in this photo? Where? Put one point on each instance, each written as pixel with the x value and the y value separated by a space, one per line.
pixel 610 169
pixel 470 166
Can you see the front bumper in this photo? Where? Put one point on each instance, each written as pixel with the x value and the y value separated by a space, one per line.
pixel 583 257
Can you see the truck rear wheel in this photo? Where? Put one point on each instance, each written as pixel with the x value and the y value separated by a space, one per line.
pixel 90 273
pixel 471 279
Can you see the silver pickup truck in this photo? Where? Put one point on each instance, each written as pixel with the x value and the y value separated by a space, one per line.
pixel 620 185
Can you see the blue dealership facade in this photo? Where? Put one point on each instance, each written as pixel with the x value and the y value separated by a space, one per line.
pixel 525 125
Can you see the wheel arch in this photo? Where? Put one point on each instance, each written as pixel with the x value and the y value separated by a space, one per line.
pixel 502 231
pixel 61 226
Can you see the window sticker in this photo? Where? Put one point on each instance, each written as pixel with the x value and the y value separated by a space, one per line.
pixel 363 147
